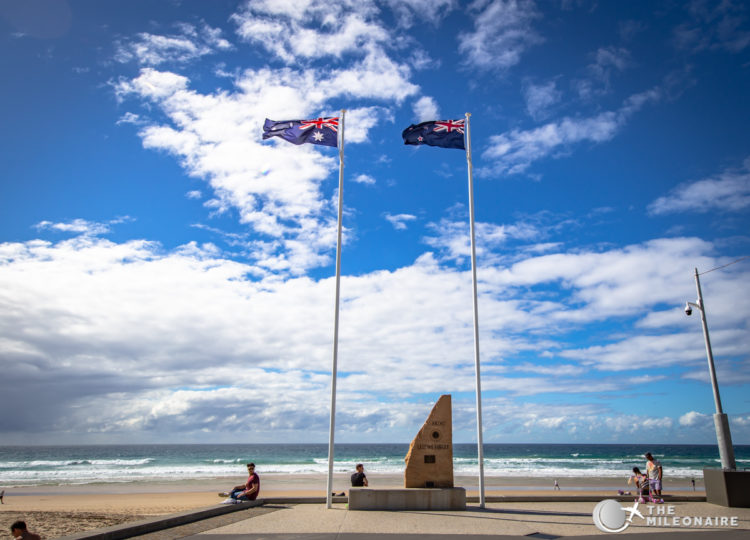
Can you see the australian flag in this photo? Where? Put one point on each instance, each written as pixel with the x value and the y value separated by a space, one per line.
pixel 319 131
pixel 443 133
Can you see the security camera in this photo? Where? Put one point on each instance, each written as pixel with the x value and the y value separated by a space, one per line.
pixel 688 309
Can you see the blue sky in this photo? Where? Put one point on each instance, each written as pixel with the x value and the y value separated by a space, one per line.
pixel 167 276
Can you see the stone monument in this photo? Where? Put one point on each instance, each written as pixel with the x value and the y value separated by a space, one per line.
pixel 429 469
pixel 429 462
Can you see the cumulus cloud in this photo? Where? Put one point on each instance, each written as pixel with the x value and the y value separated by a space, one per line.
pixel 729 191
pixel 694 418
pixel 425 108
pixel 502 33
pixel 310 30
pixel 130 338
pixel 275 187
pixel 364 179
pixel 399 220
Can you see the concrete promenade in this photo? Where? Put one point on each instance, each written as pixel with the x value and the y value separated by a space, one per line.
pixel 512 520
pixel 280 520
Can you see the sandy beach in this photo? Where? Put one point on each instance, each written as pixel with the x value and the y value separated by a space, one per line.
pixel 54 511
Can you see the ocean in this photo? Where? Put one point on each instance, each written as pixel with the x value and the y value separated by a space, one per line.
pixel 71 465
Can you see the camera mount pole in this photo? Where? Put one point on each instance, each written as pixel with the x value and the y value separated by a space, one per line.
pixel 721 422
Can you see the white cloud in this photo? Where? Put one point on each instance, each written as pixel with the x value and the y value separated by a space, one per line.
pixel 399 220
pixel 451 238
pixel 364 179
pixel 169 339
pixel 312 29
pixel 275 186
pixel 729 191
pixel 514 152
pixel 194 194
pixel 539 98
pixel 129 118
pixel 153 50
pixel 359 122
pixel 502 33
pixel 81 226
pixel 433 11
pixel 694 418
pixel 425 109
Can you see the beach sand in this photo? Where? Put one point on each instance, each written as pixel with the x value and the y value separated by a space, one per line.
pixel 54 511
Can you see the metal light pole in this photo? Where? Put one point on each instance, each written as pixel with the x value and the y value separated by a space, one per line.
pixel 721 422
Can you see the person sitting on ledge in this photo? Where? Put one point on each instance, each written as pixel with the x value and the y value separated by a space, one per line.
pixel 20 532
pixel 247 491
pixel 358 478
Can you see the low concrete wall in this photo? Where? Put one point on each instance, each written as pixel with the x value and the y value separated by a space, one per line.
pixel 407 499
pixel 128 530
pixel 727 488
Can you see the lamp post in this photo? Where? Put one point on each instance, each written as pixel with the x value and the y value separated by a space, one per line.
pixel 721 422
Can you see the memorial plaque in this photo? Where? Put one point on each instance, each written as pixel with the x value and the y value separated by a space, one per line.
pixel 429 462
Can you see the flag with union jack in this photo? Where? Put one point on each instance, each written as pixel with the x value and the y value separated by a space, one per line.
pixel 317 131
pixel 443 133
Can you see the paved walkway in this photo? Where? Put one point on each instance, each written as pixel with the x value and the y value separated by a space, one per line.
pixel 498 520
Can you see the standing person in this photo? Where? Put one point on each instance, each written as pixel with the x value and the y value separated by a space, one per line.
pixel 20 532
pixel 692 481
pixel 557 486
pixel 358 478
pixel 245 492
pixel 654 472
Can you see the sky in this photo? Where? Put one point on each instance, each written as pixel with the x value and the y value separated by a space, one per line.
pixel 167 276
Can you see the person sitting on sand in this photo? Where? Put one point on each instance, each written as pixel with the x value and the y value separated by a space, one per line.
pixel 358 478
pixel 20 532
pixel 246 492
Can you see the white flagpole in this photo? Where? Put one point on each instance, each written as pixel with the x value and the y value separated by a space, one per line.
pixel 480 445
pixel 329 490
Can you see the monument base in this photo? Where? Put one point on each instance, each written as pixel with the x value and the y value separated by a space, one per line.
pixel 407 499
pixel 727 488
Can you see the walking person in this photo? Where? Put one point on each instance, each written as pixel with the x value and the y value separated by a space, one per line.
pixel 557 486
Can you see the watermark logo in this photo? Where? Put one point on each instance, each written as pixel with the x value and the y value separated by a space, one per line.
pixel 610 517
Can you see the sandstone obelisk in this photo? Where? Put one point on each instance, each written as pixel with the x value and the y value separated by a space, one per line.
pixel 429 462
